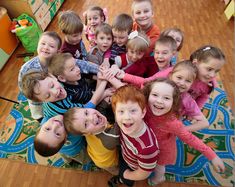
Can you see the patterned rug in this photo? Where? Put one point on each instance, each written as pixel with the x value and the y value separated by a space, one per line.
pixel 18 130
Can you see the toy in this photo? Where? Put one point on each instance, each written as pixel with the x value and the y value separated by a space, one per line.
pixel 17 25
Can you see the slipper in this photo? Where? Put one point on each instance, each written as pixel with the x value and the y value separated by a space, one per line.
pixel 151 183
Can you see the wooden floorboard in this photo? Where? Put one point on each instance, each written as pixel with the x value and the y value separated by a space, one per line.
pixel 203 22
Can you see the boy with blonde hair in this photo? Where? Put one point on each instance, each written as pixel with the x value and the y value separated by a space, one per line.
pixel 142 12
pixel 102 138
pixel 71 26
pixel 48 45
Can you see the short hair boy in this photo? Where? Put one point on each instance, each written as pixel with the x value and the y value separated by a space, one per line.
pixel 104 40
pixel 139 145
pixel 48 45
pixel 121 28
pixel 71 26
pixel 165 49
pixel 63 66
pixel 101 137
pixel 142 8
pixel 52 137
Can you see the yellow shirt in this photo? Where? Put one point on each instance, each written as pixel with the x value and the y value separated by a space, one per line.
pixel 101 156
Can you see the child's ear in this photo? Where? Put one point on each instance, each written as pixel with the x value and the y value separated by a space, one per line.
pixel 61 78
pixel 143 113
pixel 195 61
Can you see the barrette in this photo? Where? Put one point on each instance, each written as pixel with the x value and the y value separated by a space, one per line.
pixel 206 48
pixel 135 34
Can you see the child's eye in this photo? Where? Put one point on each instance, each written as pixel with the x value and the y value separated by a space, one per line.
pixel 58 134
pixel 166 98
pixel 133 110
pixel 179 78
pixel 209 69
pixel 189 81
pixel 47 128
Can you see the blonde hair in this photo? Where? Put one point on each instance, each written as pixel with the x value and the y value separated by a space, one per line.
pixel 174 29
pixel 29 81
pixel 57 63
pixel 70 22
pixel 167 40
pixel 140 1
pixel 187 65
pixel 53 35
pixel 138 43
pixel 68 121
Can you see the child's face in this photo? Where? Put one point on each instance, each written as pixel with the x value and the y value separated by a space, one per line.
pixel 53 132
pixel 161 98
pixel 134 55
pixel 143 14
pixel 71 73
pixel 162 55
pixel 129 117
pixel 47 47
pixel 89 121
pixel 207 70
pixel 50 90
pixel 177 37
pixel 104 41
pixel 183 79
pixel 73 39
pixel 120 37
pixel 94 18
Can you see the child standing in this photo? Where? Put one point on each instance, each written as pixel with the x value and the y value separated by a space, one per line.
pixel 121 28
pixel 139 147
pixel 94 17
pixel 103 39
pixel 48 45
pixel 163 104
pixel 71 26
pixel 102 138
pixel 142 12
pixel 209 60
pixel 178 36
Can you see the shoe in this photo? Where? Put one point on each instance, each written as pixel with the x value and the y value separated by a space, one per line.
pixel 151 183
pixel 114 181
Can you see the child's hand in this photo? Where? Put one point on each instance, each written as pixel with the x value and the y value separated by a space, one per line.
pixel 218 164
pixel 109 92
pixel 120 74
pixel 126 173
pixel 105 63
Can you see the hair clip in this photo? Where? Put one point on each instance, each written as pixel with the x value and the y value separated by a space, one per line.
pixel 105 11
pixel 84 14
pixel 206 48
pixel 135 34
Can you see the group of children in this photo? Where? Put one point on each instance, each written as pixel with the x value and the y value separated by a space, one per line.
pixel 75 95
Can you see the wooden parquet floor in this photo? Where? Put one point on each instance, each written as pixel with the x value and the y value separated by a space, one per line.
pixel 203 22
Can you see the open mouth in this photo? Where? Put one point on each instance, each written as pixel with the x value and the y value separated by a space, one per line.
pixel 127 125
pixel 158 107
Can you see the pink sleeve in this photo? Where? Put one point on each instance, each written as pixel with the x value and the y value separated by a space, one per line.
pixel 138 81
pixel 201 100
pixel 163 73
pixel 107 54
pixel 190 107
pixel 187 137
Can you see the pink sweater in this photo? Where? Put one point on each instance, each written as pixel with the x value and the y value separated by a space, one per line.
pixel 189 106
pixel 166 129
pixel 200 91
